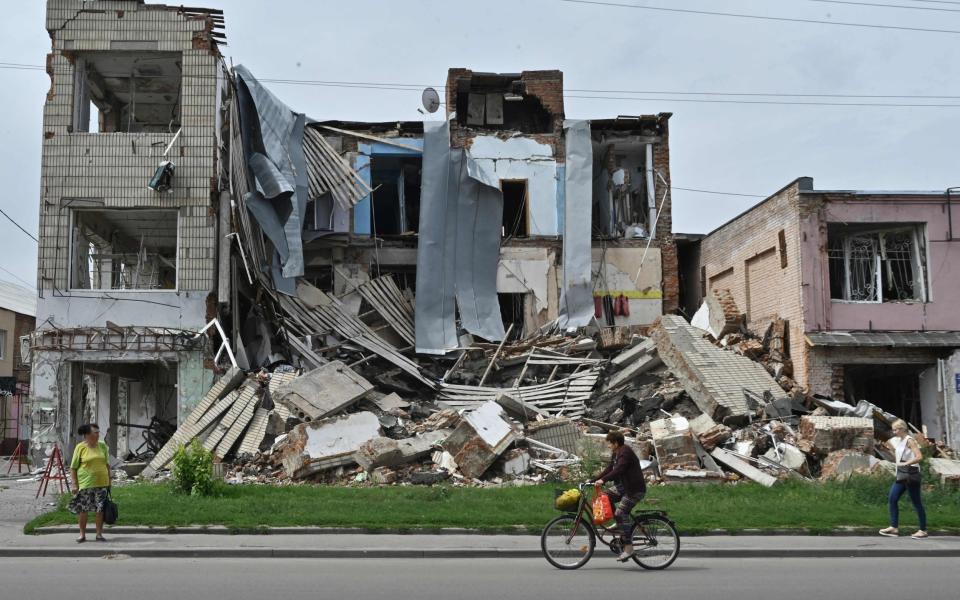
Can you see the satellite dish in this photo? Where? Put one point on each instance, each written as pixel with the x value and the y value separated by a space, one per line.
pixel 431 100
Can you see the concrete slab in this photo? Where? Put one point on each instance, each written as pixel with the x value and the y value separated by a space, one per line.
pixel 320 445
pixel 716 379
pixel 323 392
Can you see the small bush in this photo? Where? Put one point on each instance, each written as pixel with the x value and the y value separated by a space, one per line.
pixel 193 470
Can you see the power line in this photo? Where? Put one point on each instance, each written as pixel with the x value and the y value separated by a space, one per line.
pixel 716 192
pixel 761 17
pixel 410 87
pixel 933 8
pixel 18 225
pixel 29 285
pixel 766 102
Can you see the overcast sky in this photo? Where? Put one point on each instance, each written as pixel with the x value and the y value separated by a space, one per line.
pixel 727 147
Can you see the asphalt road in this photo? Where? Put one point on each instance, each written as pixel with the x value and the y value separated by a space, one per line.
pixel 534 579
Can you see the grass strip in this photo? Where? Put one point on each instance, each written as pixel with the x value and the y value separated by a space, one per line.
pixel 817 507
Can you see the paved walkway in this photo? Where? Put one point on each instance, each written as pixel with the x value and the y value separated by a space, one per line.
pixel 17 506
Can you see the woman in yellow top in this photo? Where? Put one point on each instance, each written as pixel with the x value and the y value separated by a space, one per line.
pixel 90 471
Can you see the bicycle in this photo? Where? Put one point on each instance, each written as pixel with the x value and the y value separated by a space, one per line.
pixel 568 541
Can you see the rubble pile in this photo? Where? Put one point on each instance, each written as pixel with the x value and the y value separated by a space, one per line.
pixel 704 401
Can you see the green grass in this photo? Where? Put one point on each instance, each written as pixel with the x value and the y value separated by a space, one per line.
pixel 858 502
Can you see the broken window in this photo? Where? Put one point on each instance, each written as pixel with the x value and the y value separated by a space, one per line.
pixel 873 264
pixel 514 208
pixel 496 101
pixel 620 206
pixel 124 250
pixel 127 92
pixel 396 194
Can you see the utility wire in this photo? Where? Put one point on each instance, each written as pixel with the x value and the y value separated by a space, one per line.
pixel 9 218
pixel 769 102
pixel 419 87
pixel 29 285
pixel 933 8
pixel 760 17
pixel 716 192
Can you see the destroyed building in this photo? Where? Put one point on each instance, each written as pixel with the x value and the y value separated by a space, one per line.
pixel 866 282
pixel 130 179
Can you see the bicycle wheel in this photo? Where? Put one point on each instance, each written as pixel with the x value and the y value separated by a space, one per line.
pixel 567 544
pixel 655 542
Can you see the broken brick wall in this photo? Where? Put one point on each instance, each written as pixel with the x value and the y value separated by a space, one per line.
pixel 111 170
pixel 746 256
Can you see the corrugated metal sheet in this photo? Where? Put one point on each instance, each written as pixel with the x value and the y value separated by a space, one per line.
pixel 915 339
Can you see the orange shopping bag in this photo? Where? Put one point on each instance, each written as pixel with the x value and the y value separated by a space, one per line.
pixel 602 509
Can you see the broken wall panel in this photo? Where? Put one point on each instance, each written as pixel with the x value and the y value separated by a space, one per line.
pixel 716 379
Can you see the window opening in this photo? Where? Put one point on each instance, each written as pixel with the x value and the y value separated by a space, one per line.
pixel 514 208
pixel 124 250
pixel 395 201
pixel 512 313
pixel 127 92
pixel 877 265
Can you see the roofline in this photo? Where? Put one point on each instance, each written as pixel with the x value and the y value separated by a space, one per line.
pixel 802 182
pixel 878 192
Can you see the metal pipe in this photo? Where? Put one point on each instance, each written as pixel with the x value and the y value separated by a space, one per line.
pixel 950 212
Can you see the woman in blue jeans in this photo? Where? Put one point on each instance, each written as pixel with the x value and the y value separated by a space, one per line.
pixel 907 454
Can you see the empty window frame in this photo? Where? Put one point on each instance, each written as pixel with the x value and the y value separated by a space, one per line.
pixel 877 264
pixel 620 203
pixel 123 250
pixel 395 201
pixel 515 208
pixel 3 344
pixel 120 91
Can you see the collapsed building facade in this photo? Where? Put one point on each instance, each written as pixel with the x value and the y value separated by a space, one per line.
pixel 866 282
pixel 177 194
pixel 126 274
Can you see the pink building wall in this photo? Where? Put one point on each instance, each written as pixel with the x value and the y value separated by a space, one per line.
pixel 942 312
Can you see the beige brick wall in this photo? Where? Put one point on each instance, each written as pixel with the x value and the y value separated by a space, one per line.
pixel 744 257
pixel 111 170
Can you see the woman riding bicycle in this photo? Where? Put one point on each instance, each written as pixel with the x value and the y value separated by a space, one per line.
pixel 626 472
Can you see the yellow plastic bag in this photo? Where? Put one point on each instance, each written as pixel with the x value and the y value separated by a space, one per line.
pixel 568 500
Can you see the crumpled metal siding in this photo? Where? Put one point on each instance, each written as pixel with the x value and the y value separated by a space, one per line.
pixel 459 248
pixel 273 146
pixel 576 301
pixel 435 314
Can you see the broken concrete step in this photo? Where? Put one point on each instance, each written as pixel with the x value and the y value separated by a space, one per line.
pixel 742 467
pixel 323 392
pixel 311 448
pixel 387 452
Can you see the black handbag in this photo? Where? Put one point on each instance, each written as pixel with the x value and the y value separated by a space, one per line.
pixel 110 511
pixel 908 475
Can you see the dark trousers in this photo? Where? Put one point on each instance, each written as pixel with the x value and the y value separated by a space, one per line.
pixel 624 504
pixel 896 492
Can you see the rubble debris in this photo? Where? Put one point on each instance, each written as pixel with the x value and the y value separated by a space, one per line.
pixel 428 477
pixel 388 403
pixel 321 445
pixel 841 464
pixel 383 476
pixel 480 438
pixel 714 378
pixel 789 456
pixel 948 470
pixel 643 358
pixel 674 444
pixel 742 467
pixel 822 434
pixel 519 409
pixel 516 462
pixel 559 433
pixel 322 392
pixel 715 436
pixel 387 452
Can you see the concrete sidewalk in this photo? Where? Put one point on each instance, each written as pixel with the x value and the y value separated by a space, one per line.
pixel 451 546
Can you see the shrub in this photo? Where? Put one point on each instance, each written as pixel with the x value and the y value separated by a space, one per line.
pixel 193 470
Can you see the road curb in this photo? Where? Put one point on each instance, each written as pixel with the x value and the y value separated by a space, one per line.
pixel 414 553
pixel 518 531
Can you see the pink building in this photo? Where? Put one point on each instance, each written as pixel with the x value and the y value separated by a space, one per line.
pixel 869 282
